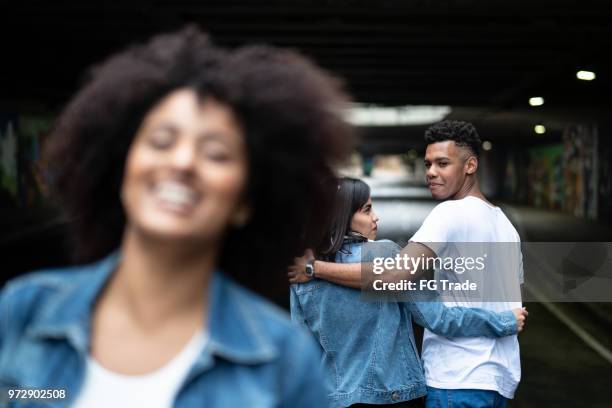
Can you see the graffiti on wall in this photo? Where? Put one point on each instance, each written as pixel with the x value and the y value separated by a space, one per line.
pixel 21 167
pixel 562 176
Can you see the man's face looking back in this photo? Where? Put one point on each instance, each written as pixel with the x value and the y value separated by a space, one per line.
pixel 446 165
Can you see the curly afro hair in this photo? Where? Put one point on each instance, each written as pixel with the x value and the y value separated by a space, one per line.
pixel 289 109
pixel 464 134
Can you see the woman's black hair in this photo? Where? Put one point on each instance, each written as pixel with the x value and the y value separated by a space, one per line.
pixel 291 114
pixel 352 194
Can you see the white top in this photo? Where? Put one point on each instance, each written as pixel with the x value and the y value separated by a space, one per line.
pixel 474 363
pixel 103 388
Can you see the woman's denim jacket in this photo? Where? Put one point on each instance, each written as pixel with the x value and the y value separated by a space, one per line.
pixel 369 354
pixel 255 356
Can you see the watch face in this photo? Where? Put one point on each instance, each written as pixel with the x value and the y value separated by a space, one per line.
pixel 309 270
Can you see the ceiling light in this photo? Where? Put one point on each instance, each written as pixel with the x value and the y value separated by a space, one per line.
pixel 585 75
pixel 373 115
pixel 540 129
pixel 486 145
pixel 536 101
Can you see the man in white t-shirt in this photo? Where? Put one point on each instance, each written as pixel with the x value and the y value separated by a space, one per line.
pixel 474 372
pixel 479 371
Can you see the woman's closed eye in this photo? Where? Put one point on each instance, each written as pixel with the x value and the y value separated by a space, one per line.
pixel 215 150
pixel 161 138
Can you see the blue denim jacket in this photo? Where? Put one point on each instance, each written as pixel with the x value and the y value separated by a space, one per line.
pixel 369 354
pixel 255 357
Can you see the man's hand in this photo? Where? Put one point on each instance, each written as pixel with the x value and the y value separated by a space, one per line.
pixel 297 271
pixel 520 314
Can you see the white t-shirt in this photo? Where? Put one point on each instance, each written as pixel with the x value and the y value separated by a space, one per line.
pixel 103 388
pixel 479 362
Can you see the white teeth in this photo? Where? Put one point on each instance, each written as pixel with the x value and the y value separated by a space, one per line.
pixel 175 193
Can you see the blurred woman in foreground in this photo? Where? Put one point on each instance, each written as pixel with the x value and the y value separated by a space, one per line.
pixel 173 162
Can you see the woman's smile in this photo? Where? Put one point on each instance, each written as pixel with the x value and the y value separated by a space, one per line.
pixel 176 197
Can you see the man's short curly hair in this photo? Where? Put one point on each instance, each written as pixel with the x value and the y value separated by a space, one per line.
pixel 464 134
pixel 289 110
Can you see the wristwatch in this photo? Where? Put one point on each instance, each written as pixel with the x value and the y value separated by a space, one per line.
pixel 310 268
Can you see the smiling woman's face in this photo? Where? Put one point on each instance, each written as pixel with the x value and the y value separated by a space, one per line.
pixel 186 170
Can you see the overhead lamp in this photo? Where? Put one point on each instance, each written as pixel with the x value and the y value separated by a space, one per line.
pixel 486 145
pixel 585 75
pixel 540 129
pixel 374 115
pixel 536 101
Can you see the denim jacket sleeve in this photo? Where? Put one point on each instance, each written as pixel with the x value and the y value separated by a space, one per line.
pixel 4 313
pixel 303 386
pixel 297 314
pixel 14 305
pixel 461 321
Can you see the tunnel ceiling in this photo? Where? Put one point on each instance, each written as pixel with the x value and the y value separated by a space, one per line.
pixel 484 54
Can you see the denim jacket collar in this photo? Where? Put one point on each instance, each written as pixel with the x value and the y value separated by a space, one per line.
pixel 235 331
pixel 68 315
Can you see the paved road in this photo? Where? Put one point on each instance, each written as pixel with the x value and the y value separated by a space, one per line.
pixel 559 369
